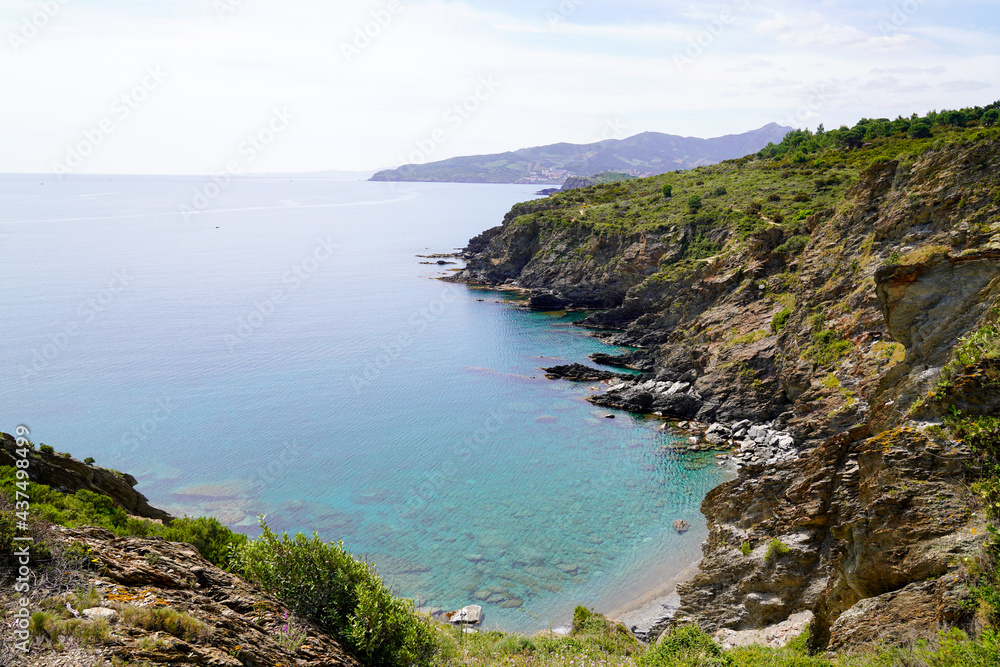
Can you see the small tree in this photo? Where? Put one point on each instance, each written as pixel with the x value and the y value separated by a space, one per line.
pixel 668 191
pixel 919 131
pixel 956 118
pixel 989 119
pixel 694 203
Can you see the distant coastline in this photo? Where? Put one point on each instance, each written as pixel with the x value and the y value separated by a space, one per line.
pixel 646 154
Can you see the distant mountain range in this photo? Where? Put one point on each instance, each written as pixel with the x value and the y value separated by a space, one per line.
pixel 645 154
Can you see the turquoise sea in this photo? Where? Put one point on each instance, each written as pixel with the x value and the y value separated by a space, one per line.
pixel 284 351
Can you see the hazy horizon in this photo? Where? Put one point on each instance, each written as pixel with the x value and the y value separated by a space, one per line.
pixel 188 87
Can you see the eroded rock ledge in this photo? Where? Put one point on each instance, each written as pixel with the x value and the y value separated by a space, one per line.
pixel 68 475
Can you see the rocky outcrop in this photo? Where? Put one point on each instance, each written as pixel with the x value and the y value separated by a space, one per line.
pixel 563 273
pixel 241 626
pixel 581 373
pixel 638 360
pixel 673 400
pixel 928 307
pixel 66 474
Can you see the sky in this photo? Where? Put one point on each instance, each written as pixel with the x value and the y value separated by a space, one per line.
pixel 256 86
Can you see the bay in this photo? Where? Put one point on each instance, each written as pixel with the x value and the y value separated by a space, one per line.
pixel 278 348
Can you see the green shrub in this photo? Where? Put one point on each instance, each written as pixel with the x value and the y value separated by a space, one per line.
pixel 686 646
pixel 955 649
pixel 694 203
pixel 343 596
pixel 701 247
pixel 746 549
pixel 581 617
pixel 89 460
pixel 794 245
pixel 668 191
pixel 46 449
pixel 213 540
pixel 775 548
pixel 951 648
pixel 85 508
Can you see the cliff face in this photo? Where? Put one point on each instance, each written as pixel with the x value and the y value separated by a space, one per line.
pixel 830 319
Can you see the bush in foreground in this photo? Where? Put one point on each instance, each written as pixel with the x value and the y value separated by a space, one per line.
pixel 686 646
pixel 342 595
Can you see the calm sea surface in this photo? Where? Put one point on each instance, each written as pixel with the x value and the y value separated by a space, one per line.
pixel 284 351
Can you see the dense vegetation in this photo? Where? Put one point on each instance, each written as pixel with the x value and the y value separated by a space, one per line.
pixel 800 146
pixel 793 185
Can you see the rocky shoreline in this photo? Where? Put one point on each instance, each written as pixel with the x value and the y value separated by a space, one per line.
pixel 808 342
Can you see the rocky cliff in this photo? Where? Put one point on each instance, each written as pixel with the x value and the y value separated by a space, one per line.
pixel 818 296
pixel 68 475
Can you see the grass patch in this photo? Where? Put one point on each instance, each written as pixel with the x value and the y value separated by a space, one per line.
pixel 922 254
pixel 750 338
pixel 180 624
pixel 780 319
pixel 827 347
pixel 686 645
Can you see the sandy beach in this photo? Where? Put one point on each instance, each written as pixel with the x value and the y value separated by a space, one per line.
pixel 653 606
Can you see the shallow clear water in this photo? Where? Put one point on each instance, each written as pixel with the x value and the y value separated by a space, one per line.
pixel 284 352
